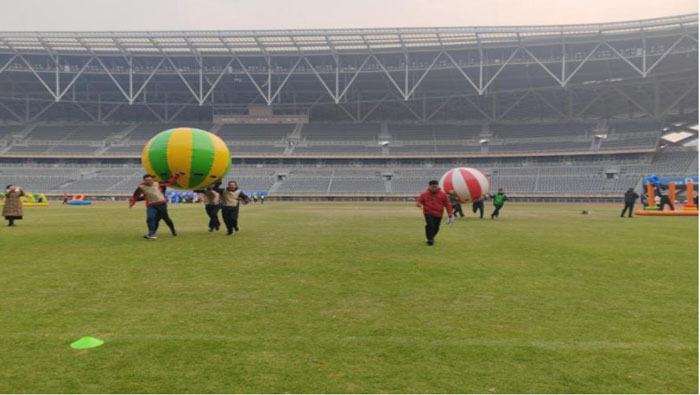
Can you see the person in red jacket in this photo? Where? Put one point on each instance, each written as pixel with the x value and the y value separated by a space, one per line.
pixel 434 201
pixel 156 204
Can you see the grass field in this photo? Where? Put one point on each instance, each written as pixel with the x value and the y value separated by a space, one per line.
pixel 348 298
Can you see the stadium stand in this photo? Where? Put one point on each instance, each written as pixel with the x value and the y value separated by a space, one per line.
pixel 423 132
pixel 344 149
pixel 529 131
pixel 256 132
pixel 144 132
pixel 7 130
pixel 519 177
pixel 341 131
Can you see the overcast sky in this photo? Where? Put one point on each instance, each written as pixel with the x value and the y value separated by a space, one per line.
pixel 72 15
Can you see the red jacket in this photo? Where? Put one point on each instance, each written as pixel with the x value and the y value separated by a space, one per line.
pixel 434 203
pixel 138 192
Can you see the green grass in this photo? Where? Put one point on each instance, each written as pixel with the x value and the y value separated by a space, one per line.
pixel 348 298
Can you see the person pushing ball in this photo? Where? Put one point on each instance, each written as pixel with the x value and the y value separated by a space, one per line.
pixel 156 204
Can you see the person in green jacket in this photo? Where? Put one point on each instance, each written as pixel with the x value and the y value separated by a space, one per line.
pixel 456 203
pixel 498 200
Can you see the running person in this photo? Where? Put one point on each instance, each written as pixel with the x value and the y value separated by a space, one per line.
pixel 212 205
pixel 478 205
pixel 231 197
pixel 12 210
pixel 434 202
pixel 662 191
pixel 499 200
pixel 156 204
pixel 455 201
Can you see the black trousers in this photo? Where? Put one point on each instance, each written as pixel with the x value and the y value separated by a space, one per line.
pixel 230 215
pixel 664 201
pixel 478 206
pixel 213 213
pixel 458 210
pixel 153 216
pixel 628 206
pixel 432 226
pixel 497 210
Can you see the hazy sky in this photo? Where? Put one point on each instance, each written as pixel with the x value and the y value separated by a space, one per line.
pixel 74 15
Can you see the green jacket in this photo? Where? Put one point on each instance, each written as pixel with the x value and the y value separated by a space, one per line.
pixel 453 199
pixel 499 199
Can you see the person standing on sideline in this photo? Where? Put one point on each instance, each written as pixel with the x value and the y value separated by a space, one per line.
pixel 662 191
pixel 434 202
pixel 65 199
pixel 455 202
pixel 499 200
pixel 262 199
pixel 478 205
pixel 156 204
pixel 630 198
pixel 12 210
pixel 212 204
pixel 231 197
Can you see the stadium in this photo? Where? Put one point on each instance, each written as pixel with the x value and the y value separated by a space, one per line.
pixel 565 112
pixel 330 287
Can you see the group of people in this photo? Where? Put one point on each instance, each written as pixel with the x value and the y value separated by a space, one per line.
pixel 498 201
pixel 435 202
pixel 226 200
pixel 661 199
pixel 255 197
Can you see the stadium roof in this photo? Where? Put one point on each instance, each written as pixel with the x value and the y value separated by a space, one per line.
pixel 212 43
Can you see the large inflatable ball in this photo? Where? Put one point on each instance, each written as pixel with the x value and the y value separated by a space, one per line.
pixel 201 156
pixel 470 185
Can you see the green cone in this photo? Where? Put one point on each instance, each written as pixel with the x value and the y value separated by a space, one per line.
pixel 86 342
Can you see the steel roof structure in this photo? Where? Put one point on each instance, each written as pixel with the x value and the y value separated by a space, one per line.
pixel 646 67
pixel 324 41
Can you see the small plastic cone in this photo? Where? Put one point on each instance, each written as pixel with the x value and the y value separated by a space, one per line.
pixel 86 342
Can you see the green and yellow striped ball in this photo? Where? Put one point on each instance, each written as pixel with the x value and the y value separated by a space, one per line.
pixel 201 156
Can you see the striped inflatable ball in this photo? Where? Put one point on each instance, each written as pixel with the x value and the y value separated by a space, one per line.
pixel 470 185
pixel 203 157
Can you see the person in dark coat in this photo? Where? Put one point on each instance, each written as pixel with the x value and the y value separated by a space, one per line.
pixel 662 191
pixel 630 198
pixel 456 204
pixel 12 210
pixel 478 206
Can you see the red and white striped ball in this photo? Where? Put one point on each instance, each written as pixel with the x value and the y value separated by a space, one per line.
pixel 470 185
